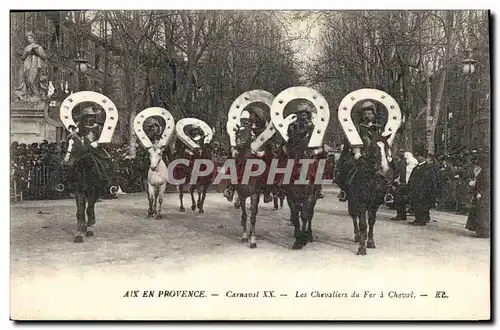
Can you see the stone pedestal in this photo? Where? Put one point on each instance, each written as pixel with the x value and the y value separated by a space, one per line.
pixel 28 123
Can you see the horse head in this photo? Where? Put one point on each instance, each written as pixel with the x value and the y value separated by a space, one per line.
pixel 377 155
pixel 155 156
pixel 74 147
pixel 244 137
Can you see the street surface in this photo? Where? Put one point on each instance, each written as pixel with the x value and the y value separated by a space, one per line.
pixel 52 277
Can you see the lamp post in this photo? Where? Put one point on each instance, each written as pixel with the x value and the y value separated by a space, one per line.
pixel 468 70
pixel 81 67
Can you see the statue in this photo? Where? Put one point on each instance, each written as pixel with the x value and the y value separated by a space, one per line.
pixel 33 85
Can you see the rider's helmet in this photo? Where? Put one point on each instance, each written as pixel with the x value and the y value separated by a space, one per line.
pixel 257 116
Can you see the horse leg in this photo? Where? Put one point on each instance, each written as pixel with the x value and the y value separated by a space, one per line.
pixel 193 202
pixel 203 195
pixel 155 206
pixel 372 213
pixel 236 200
pixel 282 200
pixel 243 205
pixel 161 192
pixel 254 209
pixel 81 225
pixel 294 219
pixel 151 200
pixel 91 214
pixel 354 217
pixel 181 197
pixel 308 215
pixel 275 198
pixel 362 230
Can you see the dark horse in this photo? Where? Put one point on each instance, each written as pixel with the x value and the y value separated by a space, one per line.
pixel 89 172
pixel 202 183
pixel 301 198
pixel 253 189
pixel 367 185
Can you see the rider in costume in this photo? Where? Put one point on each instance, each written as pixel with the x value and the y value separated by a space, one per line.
pixel 253 119
pixel 88 132
pixel 302 130
pixel 367 129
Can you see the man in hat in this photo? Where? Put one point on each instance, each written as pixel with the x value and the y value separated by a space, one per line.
pixel 254 120
pixel 245 124
pixel 87 126
pixel 404 173
pixel 89 131
pixel 258 120
pixel 300 131
pixel 478 219
pixel 422 187
pixel 367 129
pixel 153 130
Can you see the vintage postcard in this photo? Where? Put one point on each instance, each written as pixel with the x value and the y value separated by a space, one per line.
pixel 250 165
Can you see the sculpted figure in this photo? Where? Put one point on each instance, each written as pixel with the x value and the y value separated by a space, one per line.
pixel 33 81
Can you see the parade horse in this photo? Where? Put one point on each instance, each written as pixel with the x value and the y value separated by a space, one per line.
pixel 252 189
pixel 156 180
pixel 202 182
pixel 89 172
pixel 367 184
pixel 301 198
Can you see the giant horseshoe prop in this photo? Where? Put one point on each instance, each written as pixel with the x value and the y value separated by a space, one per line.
pixel 344 114
pixel 109 107
pixel 167 134
pixel 320 119
pixel 179 130
pixel 244 100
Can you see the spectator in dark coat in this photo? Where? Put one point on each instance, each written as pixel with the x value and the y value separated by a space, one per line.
pixel 422 188
pixel 401 196
pixel 479 213
pixel 448 179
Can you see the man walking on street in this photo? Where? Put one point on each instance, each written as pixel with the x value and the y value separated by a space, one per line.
pixel 422 188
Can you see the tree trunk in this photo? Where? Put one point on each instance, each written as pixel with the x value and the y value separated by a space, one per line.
pixel 428 104
pixel 437 107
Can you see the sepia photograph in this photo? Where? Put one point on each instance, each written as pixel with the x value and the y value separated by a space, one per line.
pixel 245 165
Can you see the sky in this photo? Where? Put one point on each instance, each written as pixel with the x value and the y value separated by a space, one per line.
pixel 306 33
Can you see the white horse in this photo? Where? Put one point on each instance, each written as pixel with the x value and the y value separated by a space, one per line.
pixel 157 180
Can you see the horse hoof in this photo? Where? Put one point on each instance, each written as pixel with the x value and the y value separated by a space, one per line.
pixel 361 252
pixel 201 211
pixel 89 233
pixel 158 217
pixel 244 240
pixel 370 245
pixel 193 207
pixel 182 209
pixel 310 239
pixel 78 239
pixel 253 245
pixel 297 245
